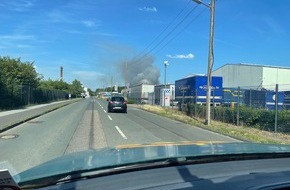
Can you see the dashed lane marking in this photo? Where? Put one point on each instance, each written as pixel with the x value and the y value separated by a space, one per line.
pixel 121 132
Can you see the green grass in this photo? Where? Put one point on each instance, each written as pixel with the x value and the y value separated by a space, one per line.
pixel 239 132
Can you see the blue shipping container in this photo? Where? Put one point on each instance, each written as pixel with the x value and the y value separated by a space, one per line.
pixel 193 89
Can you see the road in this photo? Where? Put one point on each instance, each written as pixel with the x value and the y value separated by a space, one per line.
pixel 87 125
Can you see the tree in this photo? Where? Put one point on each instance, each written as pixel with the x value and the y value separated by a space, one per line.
pixel 15 72
pixel 76 88
pixel 92 93
pixel 55 85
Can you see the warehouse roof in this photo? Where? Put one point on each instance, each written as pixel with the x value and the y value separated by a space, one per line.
pixel 254 65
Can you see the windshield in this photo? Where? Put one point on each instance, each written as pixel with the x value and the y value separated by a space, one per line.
pixel 117 99
pixel 89 80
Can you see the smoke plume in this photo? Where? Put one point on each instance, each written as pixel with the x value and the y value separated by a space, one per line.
pixel 140 71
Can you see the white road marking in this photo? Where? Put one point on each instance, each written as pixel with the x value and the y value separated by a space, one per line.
pixel 121 133
pixel 105 111
pixel 100 105
pixel 110 117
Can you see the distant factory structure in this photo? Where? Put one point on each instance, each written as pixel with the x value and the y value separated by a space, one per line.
pixel 61 73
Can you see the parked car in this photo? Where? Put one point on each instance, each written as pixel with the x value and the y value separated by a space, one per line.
pixel 117 103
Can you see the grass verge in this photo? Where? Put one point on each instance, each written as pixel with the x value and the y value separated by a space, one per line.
pixel 238 132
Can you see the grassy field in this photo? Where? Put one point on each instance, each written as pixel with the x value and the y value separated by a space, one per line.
pixel 239 132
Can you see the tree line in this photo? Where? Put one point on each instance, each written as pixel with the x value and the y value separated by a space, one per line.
pixel 20 84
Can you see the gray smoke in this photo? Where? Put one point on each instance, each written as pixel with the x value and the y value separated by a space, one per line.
pixel 140 71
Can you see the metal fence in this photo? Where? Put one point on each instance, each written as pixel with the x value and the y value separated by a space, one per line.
pixel 263 108
pixel 13 96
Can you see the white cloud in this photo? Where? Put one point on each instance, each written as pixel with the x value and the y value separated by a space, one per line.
pixel 17 37
pixel 181 56
pixel 16 41
pixel 17 5
pixel 24 46
pixel 57 16
pixel 89 23
pixel 148 9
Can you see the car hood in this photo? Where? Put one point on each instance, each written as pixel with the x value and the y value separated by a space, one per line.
pixel 134 154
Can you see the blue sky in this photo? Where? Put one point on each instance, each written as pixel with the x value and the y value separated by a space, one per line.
pixel 90 38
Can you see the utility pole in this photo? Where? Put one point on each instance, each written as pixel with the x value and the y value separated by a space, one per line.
pixel 126 73
pixel 210 62
pixel 111 83
pixel 165 65
pixel 126 80
pixel 238 107
pixel 210 58
pixel 276 108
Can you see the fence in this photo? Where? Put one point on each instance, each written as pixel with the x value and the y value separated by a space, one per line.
pixel 20 95
pixel 259 108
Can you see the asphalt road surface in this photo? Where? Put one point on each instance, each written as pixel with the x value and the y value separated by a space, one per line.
pixel 87 125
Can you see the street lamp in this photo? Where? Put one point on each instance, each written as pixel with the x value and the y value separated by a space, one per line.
pixel 210 58
pixel 165 65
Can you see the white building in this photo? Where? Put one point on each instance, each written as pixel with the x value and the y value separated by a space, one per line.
pixel 251 76
pixel 140 93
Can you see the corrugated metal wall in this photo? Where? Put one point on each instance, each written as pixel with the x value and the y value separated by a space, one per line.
pixel 273 76
pixel 241 75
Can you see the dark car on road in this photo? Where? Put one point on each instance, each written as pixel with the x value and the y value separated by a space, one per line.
pixel 117 103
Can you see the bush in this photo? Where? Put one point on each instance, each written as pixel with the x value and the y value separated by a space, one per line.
pixel 131 102
pixel 257 118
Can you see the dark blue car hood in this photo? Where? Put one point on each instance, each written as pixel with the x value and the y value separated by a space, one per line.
pixel 133 154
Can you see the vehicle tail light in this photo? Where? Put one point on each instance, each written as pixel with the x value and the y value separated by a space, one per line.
pixel 125 102
pixel 110 102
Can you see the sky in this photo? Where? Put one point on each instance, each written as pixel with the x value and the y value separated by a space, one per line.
pixel 94 40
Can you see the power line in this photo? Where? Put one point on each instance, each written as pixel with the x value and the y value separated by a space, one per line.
pixel 169 33
pixel 164 38
pixel 158 36
pixel 184 28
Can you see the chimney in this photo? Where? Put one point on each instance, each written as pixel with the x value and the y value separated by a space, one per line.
pixel 61 73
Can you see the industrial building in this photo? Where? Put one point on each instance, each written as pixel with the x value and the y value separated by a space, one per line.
pixel 140 93
pixel 256 84
pixel 251 76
